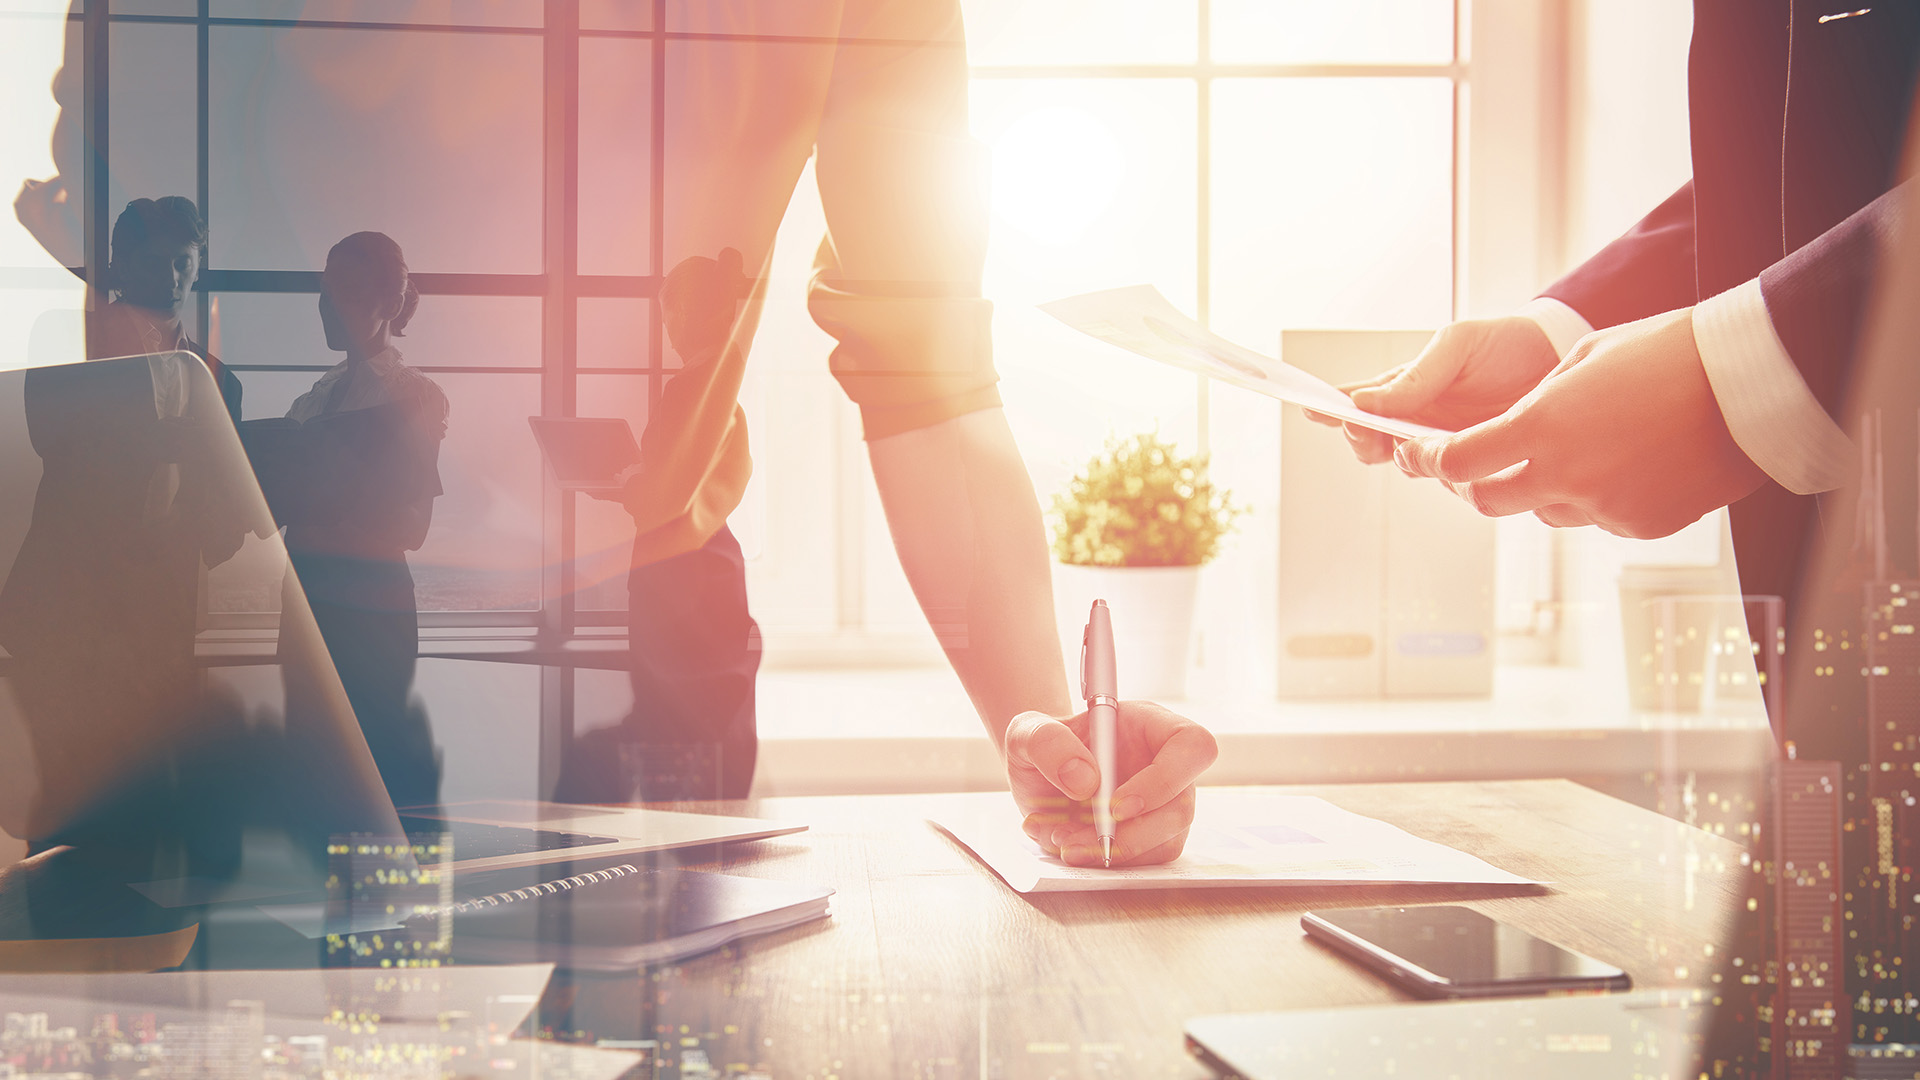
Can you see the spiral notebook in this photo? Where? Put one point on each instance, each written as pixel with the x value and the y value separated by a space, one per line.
pixel 622 918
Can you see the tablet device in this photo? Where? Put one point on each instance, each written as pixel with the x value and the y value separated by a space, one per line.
pixel 585 453
pixel 1448 951
pixel 1579 1037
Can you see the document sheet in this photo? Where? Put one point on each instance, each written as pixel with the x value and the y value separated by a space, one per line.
pixel 303 1024
pixel 1141 321
pixel 1239 838
pixel 501 995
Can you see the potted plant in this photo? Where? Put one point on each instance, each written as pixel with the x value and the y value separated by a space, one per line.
pixel 1133 528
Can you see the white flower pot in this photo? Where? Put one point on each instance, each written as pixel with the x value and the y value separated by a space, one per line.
pixel 1152 623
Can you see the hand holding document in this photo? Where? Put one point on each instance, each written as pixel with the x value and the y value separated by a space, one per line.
pixel 1239 838
pixel 1140 320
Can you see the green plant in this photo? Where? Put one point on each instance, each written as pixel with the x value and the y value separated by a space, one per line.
pixel 1140 503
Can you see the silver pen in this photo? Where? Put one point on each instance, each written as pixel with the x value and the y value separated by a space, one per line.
pixel 1097 686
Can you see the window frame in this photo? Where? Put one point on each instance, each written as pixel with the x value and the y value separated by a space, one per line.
pixel 1491 209
pixel 1509 113
pixel 558 287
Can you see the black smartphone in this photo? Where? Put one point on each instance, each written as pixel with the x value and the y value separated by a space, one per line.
pixel 1447 951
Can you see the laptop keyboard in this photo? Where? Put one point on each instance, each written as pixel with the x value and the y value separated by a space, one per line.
pixel 472 840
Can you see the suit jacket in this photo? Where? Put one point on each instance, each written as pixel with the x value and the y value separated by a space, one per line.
pixel 1797 125
pixel 113 334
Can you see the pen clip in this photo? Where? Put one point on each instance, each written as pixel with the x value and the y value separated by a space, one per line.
pixel 1084 635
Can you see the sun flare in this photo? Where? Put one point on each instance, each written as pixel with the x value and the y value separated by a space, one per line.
pixel 1055 171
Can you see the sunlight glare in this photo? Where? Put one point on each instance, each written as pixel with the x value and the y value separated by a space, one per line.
pixel 1055 171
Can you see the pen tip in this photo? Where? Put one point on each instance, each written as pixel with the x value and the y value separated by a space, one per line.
pixel 1106 851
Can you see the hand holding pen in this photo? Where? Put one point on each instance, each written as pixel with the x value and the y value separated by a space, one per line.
pixel 1098 688
pixel 1057 777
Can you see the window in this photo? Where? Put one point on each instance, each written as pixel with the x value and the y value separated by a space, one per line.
pixel 513 147
pixel 434 123
pixel 1264 165
pixel 1267 164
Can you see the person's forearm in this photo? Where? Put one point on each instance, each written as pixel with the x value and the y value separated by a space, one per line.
pixel 967 526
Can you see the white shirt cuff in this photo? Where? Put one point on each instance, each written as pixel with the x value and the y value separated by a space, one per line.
pixel 1562 325
pixel 1774 418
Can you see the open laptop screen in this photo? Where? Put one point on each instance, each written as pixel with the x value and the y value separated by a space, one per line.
pixel 121 481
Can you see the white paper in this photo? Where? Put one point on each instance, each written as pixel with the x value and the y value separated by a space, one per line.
pixel 572 1061
pixel 1239 838
pixel 1141 321
pixel 311 1024
pixel 292 999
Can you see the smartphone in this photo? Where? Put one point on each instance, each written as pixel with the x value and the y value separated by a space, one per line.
pixel 1448 951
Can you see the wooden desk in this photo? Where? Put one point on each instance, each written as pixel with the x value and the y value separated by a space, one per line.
pixel 929 958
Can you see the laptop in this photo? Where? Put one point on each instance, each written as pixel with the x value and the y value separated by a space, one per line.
pixel 1602 1036
pixel 119 479
pixel 586 453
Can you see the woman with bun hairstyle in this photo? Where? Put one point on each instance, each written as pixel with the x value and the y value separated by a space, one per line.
pixel 371 428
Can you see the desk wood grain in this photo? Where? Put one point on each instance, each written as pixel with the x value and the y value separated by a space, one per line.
pixel 932 968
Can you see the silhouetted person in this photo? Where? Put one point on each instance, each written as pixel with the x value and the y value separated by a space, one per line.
pixel 139 489
pixel 158 247
pixel 361 498
pixel 695 650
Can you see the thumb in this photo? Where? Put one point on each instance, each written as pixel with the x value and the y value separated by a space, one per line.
pixel 1469 455
pixel 1416 385
pixel 1047 746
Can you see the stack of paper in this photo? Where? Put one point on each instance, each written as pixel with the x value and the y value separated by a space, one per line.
pixel 1239 838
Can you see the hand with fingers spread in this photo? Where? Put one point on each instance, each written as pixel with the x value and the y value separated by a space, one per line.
pixel 1160 756
pixel 1625 434
pixel 1470 372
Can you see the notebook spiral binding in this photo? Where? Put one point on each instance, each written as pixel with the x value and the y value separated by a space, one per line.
pixel 545 888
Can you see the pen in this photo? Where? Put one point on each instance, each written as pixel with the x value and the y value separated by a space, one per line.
pixel 1103 712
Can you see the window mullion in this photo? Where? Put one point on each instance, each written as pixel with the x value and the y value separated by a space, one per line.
pixel 560 142
pixel 1203 208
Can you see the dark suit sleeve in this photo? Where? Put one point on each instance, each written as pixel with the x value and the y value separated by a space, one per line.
pixel 1817 295
pixel 1645 272
pixel 232 394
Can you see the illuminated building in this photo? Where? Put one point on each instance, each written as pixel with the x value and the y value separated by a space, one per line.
pixel 374 883
pixel 1810 1010
pixel 1886 902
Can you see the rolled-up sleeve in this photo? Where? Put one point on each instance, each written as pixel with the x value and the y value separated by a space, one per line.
pixel 907 361
pixel 903 183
